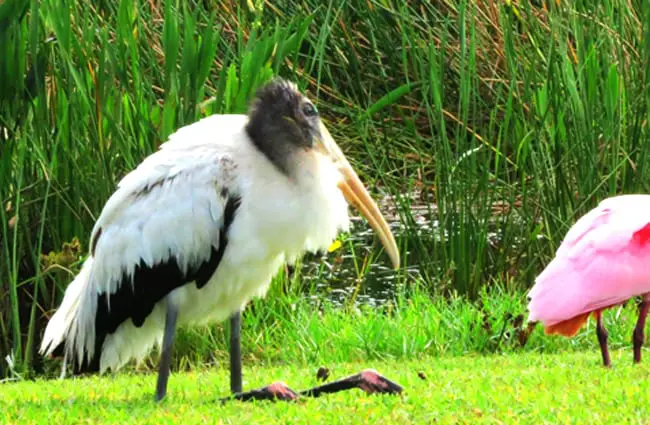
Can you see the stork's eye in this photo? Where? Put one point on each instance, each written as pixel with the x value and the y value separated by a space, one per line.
pixel 309 110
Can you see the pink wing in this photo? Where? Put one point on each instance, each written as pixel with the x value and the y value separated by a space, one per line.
pixel 603 260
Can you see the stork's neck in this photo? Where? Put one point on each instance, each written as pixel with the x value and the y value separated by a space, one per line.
pixel 264 134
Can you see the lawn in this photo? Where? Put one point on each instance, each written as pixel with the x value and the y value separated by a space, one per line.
pixel 516 388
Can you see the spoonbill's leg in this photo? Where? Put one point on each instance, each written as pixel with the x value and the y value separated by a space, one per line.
pixel 602 334
pixel 638 336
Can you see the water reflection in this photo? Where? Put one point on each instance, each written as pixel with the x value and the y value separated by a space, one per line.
pixel 338 276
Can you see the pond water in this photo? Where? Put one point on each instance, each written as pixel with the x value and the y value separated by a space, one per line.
pixel 337 277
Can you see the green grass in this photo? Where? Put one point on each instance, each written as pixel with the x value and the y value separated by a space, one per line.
pixel 527 388
pixel 284 331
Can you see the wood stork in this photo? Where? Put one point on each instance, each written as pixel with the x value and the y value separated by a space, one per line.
pixel 201 226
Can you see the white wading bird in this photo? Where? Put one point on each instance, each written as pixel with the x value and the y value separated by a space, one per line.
pixel 201 226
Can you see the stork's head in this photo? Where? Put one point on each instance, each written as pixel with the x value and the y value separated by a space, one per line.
pixel 282 121
pixel 282 118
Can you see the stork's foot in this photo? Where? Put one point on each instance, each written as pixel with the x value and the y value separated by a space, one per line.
pixel 369 381
pixel 273 392
pixel 372 382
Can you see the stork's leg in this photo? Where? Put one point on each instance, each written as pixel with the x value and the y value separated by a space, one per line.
pixel 369 380
pixel 602 334
pixel 235 353
pixel 64 367
pixel 277 390
pixel 166 354
pixel 638 336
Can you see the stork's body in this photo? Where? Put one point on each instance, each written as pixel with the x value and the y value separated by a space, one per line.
pixel 199 228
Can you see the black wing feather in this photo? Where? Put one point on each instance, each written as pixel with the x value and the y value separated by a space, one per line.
pixel 151 284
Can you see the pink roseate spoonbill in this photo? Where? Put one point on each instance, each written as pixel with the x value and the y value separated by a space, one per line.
pixel 201 226
pixel 603 261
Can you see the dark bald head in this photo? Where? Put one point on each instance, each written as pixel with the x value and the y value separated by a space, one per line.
pixel 282 121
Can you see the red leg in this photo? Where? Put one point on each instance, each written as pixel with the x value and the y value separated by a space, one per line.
pixel 602 334
pixel 638 336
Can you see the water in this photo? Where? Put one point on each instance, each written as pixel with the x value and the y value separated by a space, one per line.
pixel 336 276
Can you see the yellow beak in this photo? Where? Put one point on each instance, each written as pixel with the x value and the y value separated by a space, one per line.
pixel 357 195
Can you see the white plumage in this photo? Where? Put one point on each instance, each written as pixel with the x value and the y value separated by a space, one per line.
pixel 202 225
pixel 183 215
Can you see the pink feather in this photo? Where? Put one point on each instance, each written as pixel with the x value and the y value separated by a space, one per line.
pixel 603 260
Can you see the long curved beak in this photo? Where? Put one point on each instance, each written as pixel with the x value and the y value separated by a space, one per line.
pixel 357 195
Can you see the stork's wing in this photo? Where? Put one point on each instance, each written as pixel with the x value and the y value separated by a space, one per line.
pixel 603 260
pixel 164 227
